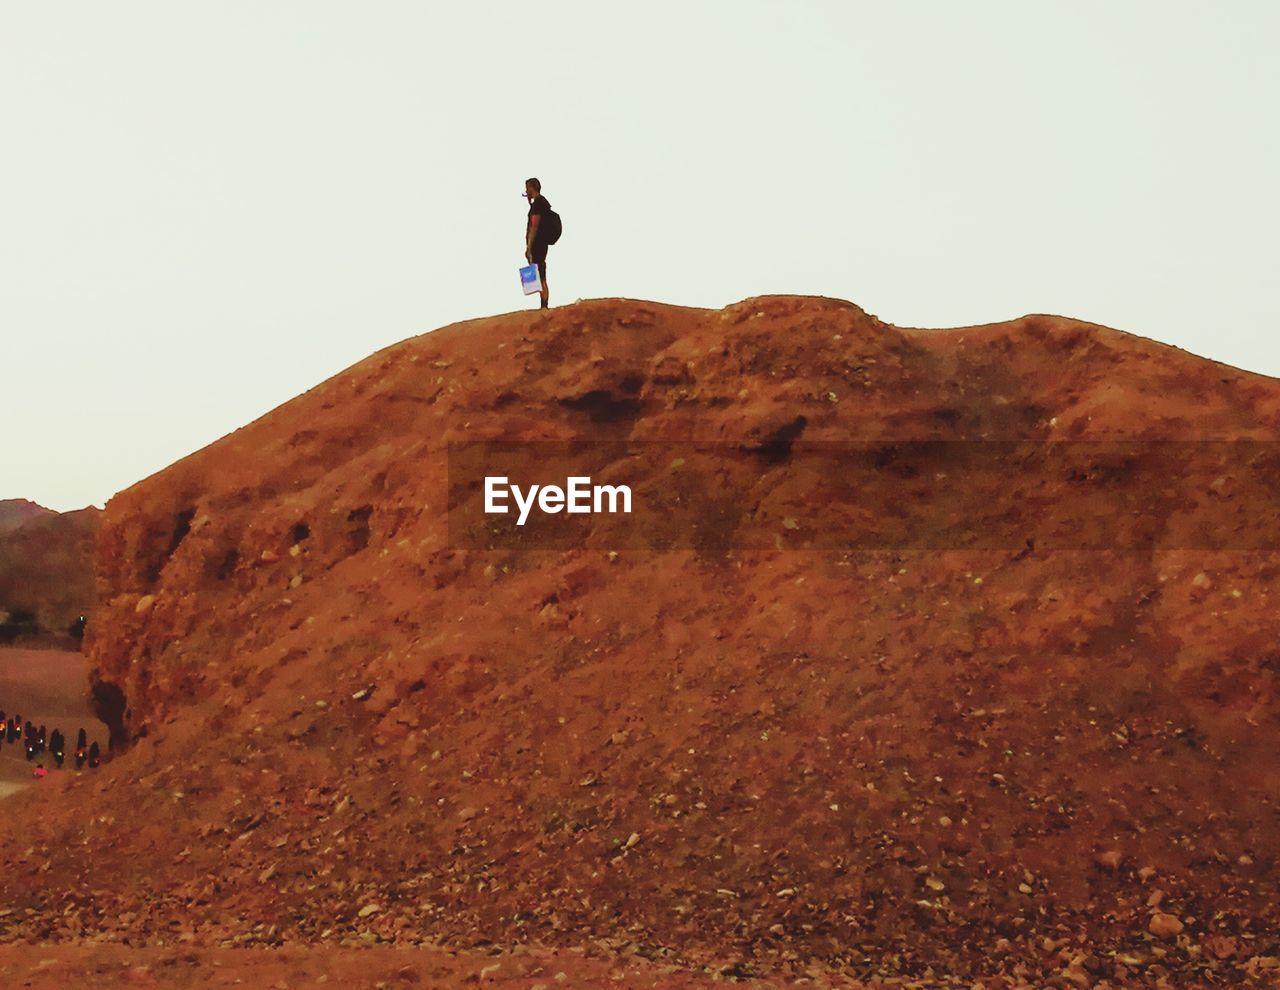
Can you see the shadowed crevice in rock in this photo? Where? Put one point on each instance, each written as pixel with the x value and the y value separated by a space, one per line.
pixel 227 565
pixel 776 448
pixel 181 528
pixel 109 705
pixel 601 406
pixel 358 534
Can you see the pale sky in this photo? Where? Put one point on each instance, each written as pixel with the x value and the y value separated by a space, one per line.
pixel 207 208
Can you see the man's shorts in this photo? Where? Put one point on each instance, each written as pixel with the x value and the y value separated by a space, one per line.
pixel 539 256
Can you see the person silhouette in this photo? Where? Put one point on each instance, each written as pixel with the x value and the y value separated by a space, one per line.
pixel 58 747
pixel 538 233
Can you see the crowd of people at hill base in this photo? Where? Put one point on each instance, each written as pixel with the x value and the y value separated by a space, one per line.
pixel 36 741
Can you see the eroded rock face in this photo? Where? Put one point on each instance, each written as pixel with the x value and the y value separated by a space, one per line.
pixel 781 757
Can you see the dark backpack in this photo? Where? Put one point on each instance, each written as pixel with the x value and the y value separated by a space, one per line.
pixel 553 226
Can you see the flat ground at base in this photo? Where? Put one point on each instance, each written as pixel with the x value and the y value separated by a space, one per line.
pixel 49 687
pixel 68 967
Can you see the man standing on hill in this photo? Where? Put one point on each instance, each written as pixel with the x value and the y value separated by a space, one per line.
pixel 535 242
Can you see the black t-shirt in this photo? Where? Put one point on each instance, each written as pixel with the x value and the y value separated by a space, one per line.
pixel 538 208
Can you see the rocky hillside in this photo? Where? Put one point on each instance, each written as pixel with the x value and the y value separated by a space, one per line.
pixel 46 572
pixel 1054 766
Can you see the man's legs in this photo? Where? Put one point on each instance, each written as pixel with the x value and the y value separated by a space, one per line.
pixel 542 274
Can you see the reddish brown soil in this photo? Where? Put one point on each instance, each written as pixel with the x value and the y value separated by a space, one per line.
pixel 189 967
pixel 950 768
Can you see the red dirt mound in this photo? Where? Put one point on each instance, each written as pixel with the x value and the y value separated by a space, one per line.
pixel 1035 768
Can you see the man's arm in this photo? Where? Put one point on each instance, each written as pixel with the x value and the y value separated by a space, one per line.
pixel 532 233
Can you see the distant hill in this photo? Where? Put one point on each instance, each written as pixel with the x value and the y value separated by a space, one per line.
pixel 14 512
pixel 46 571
